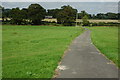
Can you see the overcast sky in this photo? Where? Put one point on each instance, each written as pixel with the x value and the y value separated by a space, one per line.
pixel 90 7
pixel 59 0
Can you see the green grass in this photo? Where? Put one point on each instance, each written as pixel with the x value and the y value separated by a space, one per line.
pixel 34 51
pixel 106 40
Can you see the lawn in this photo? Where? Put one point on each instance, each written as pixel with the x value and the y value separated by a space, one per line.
pixel 106 40
pixel 34 51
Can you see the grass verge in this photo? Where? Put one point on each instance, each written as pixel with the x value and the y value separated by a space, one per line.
pixel 106 40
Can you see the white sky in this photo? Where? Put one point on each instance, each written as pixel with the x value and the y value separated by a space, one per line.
pixel 59 0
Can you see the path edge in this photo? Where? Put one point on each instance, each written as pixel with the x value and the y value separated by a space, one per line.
pixel 56 72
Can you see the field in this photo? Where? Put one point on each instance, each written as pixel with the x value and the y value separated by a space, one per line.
pixel 90 20
pixel 80 20
pixel 106 40
pixel 34 51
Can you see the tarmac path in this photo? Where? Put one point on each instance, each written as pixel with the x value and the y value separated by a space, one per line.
pixel 83 60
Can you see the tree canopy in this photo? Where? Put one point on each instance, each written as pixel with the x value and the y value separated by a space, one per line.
pixel 36 13
pixel 85 20
pixel 67 15
pixel 16 16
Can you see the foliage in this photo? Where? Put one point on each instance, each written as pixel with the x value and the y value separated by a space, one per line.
pixel 105 16
pixel 67 15
pixel 82 14
pixel 36 13
pixel 17 16
pixel 24 12
pixel 53 12
pixel 112 15
pixel 85 21
pixel 108 15
pixel 1 9
pixel 5 13
pixel 105 24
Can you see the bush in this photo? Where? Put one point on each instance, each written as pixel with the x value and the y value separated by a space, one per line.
pixel 101 23
pixel 105 24
pixel 69 24
pixel 86 23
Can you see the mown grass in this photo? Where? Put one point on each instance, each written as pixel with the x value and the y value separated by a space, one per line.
pixel 106 40
pixel 34 51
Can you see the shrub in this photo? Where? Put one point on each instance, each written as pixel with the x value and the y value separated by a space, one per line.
pixel 85 21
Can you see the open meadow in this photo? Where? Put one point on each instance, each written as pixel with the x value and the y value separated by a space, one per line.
pixel 46 40
pixel 80 20
pixel 106 40
pixel 34 51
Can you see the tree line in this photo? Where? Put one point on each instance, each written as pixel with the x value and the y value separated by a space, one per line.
pixel 35 13
pixel 108 15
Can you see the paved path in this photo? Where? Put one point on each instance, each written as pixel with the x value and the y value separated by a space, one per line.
pixel 83 60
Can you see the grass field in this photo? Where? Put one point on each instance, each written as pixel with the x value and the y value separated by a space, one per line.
pixel 80 20
pixel 106 40
pixel 34 51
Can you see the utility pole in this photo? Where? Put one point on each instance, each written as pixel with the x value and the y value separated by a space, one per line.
pixel 76 19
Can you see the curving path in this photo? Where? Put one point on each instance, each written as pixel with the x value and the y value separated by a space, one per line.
pixel 83 60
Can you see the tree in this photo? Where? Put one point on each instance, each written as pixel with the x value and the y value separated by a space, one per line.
pixel 112 15
pixel 82 14
pixel 93 16
pixel 2 11
pixel 6 13
pixel 53 12
pixel 16 16
pixel 24 11
pixel 118 16
pixel 85 21
pixel 36 13
pixel 108 15
pixel 101 16
pixel 67 15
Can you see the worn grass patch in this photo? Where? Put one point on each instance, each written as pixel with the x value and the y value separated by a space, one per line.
pixel 106 40
pixel 34 51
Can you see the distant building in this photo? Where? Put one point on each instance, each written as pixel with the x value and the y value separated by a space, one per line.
pixel 48 17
